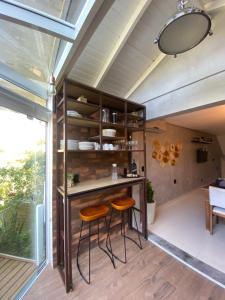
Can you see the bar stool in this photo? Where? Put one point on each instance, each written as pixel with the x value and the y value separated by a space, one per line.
pixel 123 205
pixel 89 215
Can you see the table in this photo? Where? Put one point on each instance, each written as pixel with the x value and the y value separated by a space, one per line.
pixel 85 189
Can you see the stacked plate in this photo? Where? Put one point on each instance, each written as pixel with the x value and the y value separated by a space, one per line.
pixel 109 132
pixel 71 144
pixel 86 145
pixel 73 113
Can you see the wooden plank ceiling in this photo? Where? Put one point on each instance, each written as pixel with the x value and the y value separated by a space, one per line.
pixel 120 56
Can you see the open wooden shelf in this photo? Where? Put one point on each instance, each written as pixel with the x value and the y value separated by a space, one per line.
pixel 99 151
pixel 107 138
pixel 83 122
pixel 94 164
pixel 202 142
pixel 81 107
pixel 134 117
pixel 113 125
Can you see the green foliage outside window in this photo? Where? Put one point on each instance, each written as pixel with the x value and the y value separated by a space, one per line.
pixel 21 189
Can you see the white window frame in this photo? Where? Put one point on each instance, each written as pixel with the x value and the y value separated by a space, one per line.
pixel 21 105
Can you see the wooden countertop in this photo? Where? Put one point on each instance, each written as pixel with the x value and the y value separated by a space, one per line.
pixel 91 185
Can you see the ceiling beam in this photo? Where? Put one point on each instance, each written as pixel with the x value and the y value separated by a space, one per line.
pixel 89 19
pixel 210 6
pixel 146 73
pixel 12 76
pixel 123 37
pixel 24 15
pixel 213 5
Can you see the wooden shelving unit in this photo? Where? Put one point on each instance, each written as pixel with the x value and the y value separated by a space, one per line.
pixel 90 125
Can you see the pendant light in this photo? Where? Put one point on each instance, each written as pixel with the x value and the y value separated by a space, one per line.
pixel 51 86
pixel 187 28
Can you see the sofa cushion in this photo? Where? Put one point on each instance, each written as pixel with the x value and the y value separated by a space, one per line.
pixel 219 210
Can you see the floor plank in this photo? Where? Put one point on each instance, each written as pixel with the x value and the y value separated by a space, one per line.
pixel 13 275
pixel 149 274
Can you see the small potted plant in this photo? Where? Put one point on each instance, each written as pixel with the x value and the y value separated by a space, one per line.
pixel 150 202
pixel 70 180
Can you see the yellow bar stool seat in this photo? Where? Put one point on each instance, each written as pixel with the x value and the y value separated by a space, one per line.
pixel 123 203
pixel 93 213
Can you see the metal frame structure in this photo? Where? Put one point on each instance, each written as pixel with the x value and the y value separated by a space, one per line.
pixel 76 36
pixel 19 80
pixel 24 15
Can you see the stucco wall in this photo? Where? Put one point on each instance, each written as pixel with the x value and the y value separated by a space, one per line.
pixel 187 172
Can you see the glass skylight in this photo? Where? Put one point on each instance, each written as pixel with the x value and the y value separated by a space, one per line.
pixel 21 92
pixel 27 51
pixel 68 10
pixel 28 54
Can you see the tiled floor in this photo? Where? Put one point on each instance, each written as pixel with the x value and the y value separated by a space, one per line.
pixel 182 223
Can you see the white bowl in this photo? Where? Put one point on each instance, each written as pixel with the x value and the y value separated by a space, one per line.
pixel 71 144
pixel 73 113
pixel 109 132
pixel 86 145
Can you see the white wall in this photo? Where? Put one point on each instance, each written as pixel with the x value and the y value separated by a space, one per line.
pixel 188 68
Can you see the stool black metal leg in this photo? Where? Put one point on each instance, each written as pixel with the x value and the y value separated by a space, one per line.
pixel 140 245
pixel 111 257
pixel 129 238
pixel 124 237
pixel 108 237
pixel 123 234
pixel 89 247
pixel 78 253
pixel 110 245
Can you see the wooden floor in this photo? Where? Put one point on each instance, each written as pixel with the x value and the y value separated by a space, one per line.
pixel 149 274
pixel 13 275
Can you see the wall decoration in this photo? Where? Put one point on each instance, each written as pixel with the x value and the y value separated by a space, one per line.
pixel 166 154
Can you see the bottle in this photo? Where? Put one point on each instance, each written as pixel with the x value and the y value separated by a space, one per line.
pixel 114 172
pixel 133 167
pixel 114 117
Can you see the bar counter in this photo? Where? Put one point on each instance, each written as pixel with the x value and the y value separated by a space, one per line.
pixel 98 184
pixel 82 190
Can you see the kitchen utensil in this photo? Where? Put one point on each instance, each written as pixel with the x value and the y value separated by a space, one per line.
pixel 105 146
pixel 71 144
pixel 73 113
pixel 114 172
pixel 109 132
pixel 106 115
pixel 97 146
pixel 114 118
pixel 82 99
pixel 86 145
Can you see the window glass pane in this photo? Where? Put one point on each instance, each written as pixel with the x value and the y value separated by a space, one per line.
pixel 22 199
pixel 27 51
pixel 21 92
pixel 55 8
pixel 68 10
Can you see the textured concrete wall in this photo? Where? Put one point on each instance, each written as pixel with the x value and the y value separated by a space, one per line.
pixel 187 172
